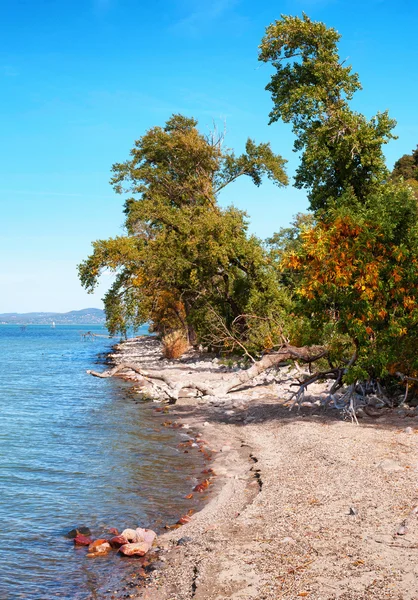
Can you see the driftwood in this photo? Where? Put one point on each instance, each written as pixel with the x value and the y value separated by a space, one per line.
pixel 304 354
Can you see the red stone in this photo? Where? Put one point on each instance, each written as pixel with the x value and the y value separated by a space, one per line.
pixel 117 541
pixel 82 540
pixel 113 531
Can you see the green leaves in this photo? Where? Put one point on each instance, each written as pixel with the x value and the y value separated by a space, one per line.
pixel 183 254
pixel 311 88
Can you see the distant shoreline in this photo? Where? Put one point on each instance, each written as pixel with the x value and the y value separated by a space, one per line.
pixel 85 316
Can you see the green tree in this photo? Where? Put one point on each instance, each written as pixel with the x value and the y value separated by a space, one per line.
pixel 182 252
pixel 407 166
pixel 311 87
pixel 354 267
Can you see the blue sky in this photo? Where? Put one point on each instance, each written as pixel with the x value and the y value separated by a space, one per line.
pixel 82 79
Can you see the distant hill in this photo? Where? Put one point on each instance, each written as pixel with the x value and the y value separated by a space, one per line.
pixel 86 316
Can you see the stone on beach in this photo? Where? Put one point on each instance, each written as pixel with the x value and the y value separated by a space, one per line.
pixel 100 546
pixel 117 541
pixel 74 532
pixel 135 549
pixel 139 535
pixel 82 540
pixel 130 534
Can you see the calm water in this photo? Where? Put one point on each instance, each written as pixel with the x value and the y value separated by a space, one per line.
pixel 75 450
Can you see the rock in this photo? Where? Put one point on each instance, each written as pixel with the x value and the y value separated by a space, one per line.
pixel 135 549
pixel 389 465
pixel 118 541
pixel 113 531
pixel 205 424
pixel 225 448
pixel 184 540
pixel 353 511
pixel 408 430
pixel 184 519
pixel 82 540
pixel 129 534
pixel 145 535
pixel 139 535
pixel 100 546
pixel 74 532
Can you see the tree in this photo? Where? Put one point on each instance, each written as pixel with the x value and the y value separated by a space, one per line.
pixel 358 272
pixel 353 267
pixel 182 252
pixel 312 88
pixel 407 166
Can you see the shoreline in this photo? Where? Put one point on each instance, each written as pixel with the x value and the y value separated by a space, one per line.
pixel 302 504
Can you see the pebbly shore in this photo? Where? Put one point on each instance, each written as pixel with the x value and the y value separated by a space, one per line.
pixel 298 503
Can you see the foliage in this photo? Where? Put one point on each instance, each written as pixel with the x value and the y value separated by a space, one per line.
pixel 407 166
pixel 358 270
pixel 182 253
pixel 311 88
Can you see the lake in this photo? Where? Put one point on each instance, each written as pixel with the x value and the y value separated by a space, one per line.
pixel 76 450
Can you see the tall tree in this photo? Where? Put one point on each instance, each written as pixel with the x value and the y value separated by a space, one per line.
pixel 311 87
pixel 181 251
pixel 354 266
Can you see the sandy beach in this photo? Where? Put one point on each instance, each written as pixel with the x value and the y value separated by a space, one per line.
pixel 301 505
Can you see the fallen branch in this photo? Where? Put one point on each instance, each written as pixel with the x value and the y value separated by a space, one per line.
pixel 172 389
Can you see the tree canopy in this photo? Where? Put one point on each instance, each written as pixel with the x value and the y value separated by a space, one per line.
pixel 311 87
pixel 182 253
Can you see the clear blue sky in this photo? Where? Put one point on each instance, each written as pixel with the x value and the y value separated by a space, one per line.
pixel 82 79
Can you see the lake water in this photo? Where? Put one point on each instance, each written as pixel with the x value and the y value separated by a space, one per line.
pixel 76 450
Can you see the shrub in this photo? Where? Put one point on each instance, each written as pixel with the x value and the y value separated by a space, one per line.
pixel 174 345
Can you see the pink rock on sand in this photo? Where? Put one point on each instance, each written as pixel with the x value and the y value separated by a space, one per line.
pixel 139 535
pixel 146 535
pixel 135 549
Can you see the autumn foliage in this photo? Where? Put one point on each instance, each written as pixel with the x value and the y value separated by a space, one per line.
pixel 358 270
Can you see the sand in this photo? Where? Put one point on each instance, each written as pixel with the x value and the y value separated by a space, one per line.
pixel 303 504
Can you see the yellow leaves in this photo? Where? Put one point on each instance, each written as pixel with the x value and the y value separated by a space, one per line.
pixel 409 303
pixel 138 280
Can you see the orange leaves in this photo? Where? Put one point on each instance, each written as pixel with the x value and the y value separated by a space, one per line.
pixel 409 303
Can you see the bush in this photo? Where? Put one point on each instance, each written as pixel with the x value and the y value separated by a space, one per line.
pixel 174 345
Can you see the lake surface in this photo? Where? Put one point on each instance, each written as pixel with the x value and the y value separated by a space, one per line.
pixel 76 450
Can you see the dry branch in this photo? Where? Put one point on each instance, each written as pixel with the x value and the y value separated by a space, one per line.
pixel 304 354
